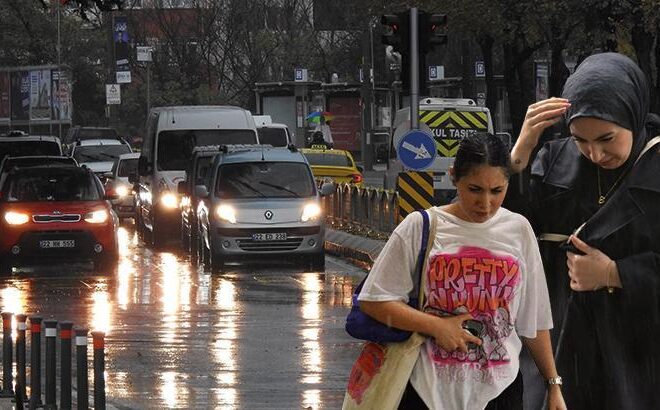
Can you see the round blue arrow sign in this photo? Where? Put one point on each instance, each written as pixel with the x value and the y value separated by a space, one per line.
pixel 417 150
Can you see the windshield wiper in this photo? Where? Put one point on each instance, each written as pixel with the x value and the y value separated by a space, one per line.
pixel 88 156
pixel 113 157
pixel 280 187
pixel 250 187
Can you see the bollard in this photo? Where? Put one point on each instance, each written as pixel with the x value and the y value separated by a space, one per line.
pixel 51 363
pixel 81 367
pixel 20 358
pixel 99 369
pixel 35 362
pixel 65 364
pixel 7 356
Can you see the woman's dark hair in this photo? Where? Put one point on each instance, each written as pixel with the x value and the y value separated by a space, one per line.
pixel 481 149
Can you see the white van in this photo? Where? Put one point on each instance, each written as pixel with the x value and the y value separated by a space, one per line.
pixel 172 133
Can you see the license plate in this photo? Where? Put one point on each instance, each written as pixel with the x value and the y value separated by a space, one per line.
pixel 62 243
pixel 269 237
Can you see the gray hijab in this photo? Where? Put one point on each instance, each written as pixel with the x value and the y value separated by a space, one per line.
pixel 611 87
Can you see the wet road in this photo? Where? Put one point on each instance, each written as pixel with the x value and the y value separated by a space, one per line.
pixel 251 337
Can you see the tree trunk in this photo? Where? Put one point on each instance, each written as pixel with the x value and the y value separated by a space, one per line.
pixel 642 41
pixel 558 70
pixel 655 104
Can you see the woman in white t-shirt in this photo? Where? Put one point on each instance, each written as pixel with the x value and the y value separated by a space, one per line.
pixel 484 274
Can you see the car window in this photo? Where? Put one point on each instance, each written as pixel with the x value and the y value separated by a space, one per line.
pixel 127 167
pixel 264 179
pixel 50 184
pixel 273 136
pixel 175 147
pixel 23 148
pixel 98 153
pixel 331 160
pixel 203 165
pixel 36 161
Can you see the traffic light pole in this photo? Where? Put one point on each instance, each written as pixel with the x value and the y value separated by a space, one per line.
pixel 414 71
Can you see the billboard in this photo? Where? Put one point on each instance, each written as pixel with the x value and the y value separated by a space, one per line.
pixel 40 94
pixel 5 109
pixel 20 95
pixel 121 42
pixel 61 96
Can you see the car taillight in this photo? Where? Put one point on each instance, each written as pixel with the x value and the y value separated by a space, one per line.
pixel 356 178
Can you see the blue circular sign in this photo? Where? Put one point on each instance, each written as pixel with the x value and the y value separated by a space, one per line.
pixel 417 150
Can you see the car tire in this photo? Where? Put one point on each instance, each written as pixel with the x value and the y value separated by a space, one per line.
pixel 194 249
pixel 316 262
pixel 205 254
pixel 217 261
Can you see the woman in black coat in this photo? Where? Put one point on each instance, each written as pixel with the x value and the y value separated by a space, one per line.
pixel 604 281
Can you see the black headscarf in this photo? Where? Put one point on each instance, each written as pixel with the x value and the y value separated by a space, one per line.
pixel 611 87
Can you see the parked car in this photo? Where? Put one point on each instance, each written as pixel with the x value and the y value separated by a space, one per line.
pixel 172 133
pixel 118 184
pixel 56 214
pixel 99 155
pixel 333 165
pixel 18 146
pixel 261 202
pixel 196 174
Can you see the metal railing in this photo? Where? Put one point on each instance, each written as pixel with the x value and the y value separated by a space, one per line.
pixel 372 212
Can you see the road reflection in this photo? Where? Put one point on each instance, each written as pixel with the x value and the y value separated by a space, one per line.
pixel 178 337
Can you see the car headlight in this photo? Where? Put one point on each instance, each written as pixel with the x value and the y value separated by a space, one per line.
pixel 227 213
pixel 169 200
pixel 16 218
pixel 310 212
pixel 97 217
pixel 122 191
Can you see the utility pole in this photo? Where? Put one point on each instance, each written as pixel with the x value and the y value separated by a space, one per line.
pixel 367 96
pixel 59 73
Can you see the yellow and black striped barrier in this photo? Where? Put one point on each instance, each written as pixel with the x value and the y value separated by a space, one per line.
pixel 415 189
pixel 454 125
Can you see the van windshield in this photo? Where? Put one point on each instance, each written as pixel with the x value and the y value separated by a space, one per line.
pixel 175 147
pixel 23 148
pixel 273 136
pixel 264 180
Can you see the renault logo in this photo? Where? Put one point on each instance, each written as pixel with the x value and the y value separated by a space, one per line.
pixel 268 214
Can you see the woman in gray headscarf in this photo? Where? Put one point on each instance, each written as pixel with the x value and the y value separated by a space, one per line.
pixel 604 281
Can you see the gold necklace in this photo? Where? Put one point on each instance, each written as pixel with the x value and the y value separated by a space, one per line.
pixel 602 198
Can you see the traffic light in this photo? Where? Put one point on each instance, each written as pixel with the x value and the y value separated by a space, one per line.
pixel 432 31
pixel 396 31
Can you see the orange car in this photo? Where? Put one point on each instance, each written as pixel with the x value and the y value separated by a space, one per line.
pixel 56 213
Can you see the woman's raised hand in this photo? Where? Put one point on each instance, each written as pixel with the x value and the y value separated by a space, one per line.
pixel 540 116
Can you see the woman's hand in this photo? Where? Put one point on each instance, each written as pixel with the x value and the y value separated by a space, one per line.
pixel 555 398
pixel 450 335
pixel 539 116
pixel 591 271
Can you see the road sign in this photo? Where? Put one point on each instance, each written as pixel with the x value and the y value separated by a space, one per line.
pixel 479 69
pixel 123 77
pixel 300 74
pixel 417 150
pixel 112 94
pixel 144 53
pixel 436 72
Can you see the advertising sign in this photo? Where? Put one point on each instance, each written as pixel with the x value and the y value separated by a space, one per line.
pixel 5 109
pixel 121 42
pixel 20 95
pixel 61 96
pixel 40 95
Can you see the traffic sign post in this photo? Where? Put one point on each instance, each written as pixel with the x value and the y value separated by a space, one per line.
pixel 417 150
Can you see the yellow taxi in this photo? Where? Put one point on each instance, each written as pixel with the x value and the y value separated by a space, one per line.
pixel 334 164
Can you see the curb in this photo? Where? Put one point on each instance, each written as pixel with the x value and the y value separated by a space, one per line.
pixel 352 246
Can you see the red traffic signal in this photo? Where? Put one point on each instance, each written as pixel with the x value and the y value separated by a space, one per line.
pixel 392 26
pixel 437 29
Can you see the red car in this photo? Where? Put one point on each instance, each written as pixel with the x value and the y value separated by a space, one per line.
pixel 56 214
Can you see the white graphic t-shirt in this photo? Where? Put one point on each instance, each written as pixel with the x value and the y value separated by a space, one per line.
pixel 492 270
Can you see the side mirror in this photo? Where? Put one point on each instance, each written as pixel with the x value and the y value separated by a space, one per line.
pixel 201 191
pixel 144 166
pixel 107 175
pixel 133 178
pixel 360 168
pixel 182 188
pixel 328 188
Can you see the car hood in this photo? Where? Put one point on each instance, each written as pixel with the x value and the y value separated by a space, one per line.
pixel 282 211
pixel 99 166
pixel 321 171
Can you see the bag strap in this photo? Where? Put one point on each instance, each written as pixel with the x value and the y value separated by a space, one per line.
pixel 427 245
pixel 417 278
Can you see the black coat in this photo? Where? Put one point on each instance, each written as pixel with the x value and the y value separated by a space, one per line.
pixel 610 350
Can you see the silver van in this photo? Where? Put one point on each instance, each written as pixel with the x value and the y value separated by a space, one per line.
pixel 172 133
pixel 261 202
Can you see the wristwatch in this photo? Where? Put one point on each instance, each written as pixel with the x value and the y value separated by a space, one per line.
pixel 555 381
